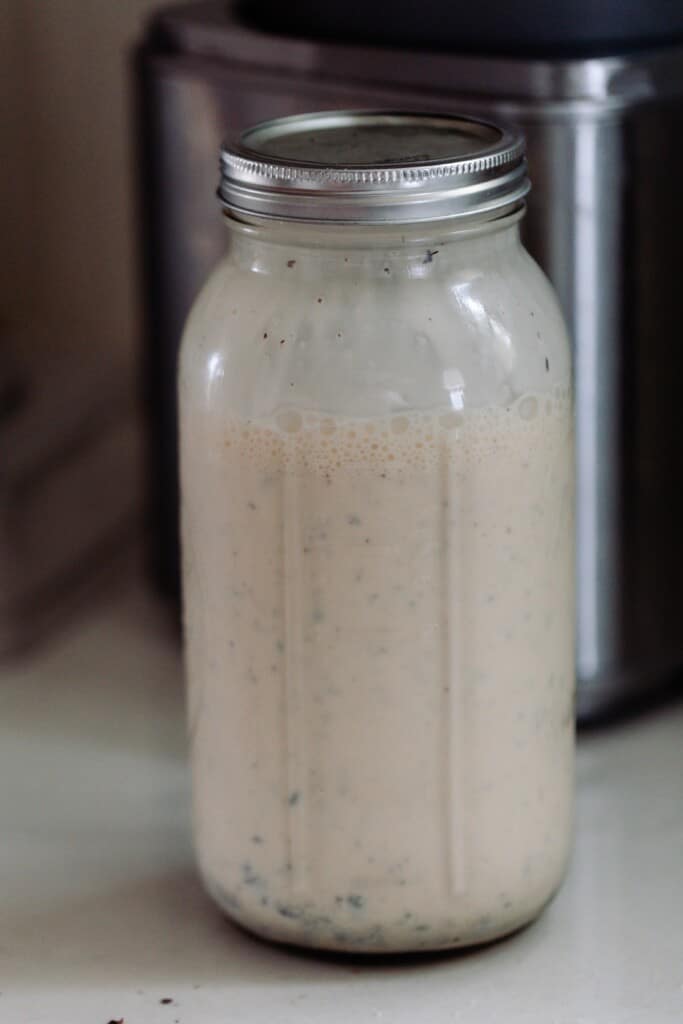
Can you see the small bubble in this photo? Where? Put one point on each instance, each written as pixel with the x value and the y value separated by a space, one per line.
pixel 289 421
pixel 450 420
pixel 528 408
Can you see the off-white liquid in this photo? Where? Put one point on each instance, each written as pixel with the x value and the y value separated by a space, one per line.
pixel 379 632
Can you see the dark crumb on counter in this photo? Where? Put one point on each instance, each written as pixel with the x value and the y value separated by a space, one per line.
pixel 282 341
pixel 367 540
pixel 251 505
pixel 547 365
pixel 118 1020
pixel 354 899
pixel 265 334
pixel 386 270
pixel 531 313
pixel 319 299
pixel 291 263
pixel 166 1001
pixel 294 798
pixel 430 254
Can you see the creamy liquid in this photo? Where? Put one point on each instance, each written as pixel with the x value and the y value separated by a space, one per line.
pixel 379 626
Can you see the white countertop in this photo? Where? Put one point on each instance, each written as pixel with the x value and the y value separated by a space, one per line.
pixel 101 914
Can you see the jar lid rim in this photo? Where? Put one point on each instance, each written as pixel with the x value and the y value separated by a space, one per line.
pixel 373 166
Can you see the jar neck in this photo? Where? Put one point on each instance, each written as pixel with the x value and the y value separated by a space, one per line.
pixel 320 249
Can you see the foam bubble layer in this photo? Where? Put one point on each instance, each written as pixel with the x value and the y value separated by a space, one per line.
pixel 324 444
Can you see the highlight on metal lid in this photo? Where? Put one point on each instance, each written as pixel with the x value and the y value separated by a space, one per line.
pixel 373 167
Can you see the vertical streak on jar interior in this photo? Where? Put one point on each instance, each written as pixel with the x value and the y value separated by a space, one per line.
pixel 294 745
pixel 451 750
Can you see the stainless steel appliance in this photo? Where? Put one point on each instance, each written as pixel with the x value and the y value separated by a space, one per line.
pixel 605 218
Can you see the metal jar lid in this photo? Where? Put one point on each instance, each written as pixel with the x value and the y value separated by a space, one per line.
pixel 373 167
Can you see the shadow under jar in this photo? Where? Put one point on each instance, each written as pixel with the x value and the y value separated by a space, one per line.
pixel 376 466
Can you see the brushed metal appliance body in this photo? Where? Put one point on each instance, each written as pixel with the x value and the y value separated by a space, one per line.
pixel 605 220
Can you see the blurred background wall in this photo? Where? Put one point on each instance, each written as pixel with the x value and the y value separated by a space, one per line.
pixel 72 491
pixel 66 202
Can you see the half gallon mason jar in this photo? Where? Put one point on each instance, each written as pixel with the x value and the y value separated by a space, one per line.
pixel 377 519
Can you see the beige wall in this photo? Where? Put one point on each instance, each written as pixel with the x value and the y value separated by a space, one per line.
pixel 66 204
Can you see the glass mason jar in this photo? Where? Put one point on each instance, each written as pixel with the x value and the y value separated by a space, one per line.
pixel 376 459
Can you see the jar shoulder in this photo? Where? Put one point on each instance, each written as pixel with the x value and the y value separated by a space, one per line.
pixel 368 339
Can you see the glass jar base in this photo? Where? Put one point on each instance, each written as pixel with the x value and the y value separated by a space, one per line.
pixel 309 929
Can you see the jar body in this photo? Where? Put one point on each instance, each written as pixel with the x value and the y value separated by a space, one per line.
pixel 376 468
